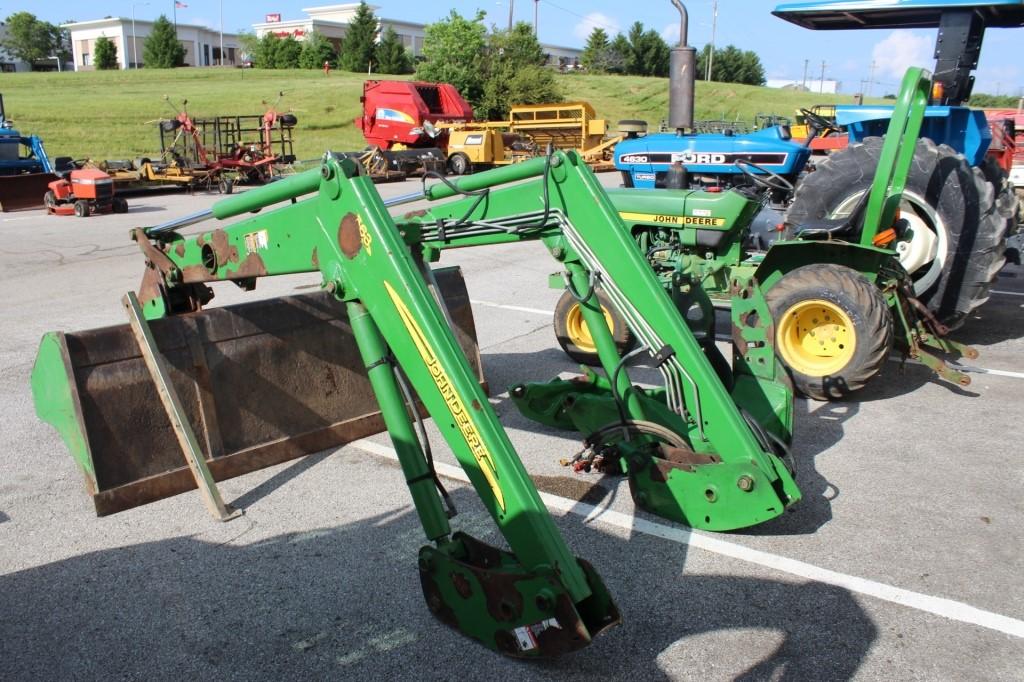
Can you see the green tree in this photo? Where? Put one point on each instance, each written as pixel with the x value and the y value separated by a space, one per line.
pixel 104 54
pixel 263 51
pixel 392 56
pixel 250 45
pixel 30 39
pixel 596 51
pixel 618 54
pixel 731 65
pixel 315 51
pixel 162 50
pixel 514 73
pixel 454 52
pixel 648 52
pixel 287 54
pixel 359 45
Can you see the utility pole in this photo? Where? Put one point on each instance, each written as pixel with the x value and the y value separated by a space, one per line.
pixel 871 79
pixel 536 6
pixel 714 25
pixel 821 83
pixel 806 62
pixel 511 9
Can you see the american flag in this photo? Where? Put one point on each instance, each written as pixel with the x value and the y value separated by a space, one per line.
pixel 179 5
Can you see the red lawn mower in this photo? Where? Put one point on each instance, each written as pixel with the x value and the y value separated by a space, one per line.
pixel 81 192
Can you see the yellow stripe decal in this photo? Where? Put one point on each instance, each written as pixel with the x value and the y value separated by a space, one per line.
pixel 463 419
pixel 661 219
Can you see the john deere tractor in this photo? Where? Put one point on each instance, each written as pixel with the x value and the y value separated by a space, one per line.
pixel 740 206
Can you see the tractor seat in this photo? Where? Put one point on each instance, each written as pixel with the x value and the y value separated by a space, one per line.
pixel 834 228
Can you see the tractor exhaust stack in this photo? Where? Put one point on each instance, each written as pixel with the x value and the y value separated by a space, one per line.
pixel 682 75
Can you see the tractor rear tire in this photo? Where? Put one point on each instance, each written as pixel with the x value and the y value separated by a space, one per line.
pixel 82 209
pixel 119 205
pixel 459 164
pixel 833 329
pixel 956 201
pixel 574 336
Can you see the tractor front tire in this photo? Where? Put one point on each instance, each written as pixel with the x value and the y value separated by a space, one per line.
pixel 962 206
pixel 119 205
pixel 49 199
pixel 573 334
pixel 82 209
pixel 833 329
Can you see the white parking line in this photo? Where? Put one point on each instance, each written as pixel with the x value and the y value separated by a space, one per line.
pixel 518 308
pixel 947 608
pixel 981 370
pixel 724 337
pixel 1008 293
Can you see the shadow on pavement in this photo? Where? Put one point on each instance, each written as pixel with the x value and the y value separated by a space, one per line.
pixel 345 601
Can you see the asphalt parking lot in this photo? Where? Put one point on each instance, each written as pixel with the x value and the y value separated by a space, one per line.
pixel 903 561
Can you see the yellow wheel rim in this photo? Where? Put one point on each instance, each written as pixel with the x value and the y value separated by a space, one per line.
pixel 816 337
pixel 578 331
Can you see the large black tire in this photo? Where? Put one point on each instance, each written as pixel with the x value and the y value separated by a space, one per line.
pixel 572 333
pixel 957 201
pixel 804 303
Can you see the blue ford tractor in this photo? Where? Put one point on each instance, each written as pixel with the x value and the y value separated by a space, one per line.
pixel 958 206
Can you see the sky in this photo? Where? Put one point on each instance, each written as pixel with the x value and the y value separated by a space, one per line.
pixel 783 48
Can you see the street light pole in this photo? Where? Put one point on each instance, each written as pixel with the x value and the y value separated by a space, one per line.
pixel 511 8
pixel 222 32
pixel 135 51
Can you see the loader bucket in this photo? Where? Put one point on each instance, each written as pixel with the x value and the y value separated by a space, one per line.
pixel 25 191
pixel 261 382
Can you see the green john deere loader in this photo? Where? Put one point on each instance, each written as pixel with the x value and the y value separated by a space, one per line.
pixel 184 395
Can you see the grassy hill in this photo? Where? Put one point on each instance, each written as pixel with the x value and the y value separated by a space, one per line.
pixel 111 114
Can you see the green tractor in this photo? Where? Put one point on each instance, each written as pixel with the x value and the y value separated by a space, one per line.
pixel 840 300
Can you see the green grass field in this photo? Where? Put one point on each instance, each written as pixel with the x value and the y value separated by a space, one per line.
pixel 111 114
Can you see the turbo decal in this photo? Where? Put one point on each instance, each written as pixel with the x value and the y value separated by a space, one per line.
pixel 461 416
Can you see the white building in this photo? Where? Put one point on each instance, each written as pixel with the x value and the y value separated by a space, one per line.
pixel 202 45
pixel 331 21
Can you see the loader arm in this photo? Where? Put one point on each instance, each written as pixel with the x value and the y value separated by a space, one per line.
pixel 537 599
pixel 715 463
